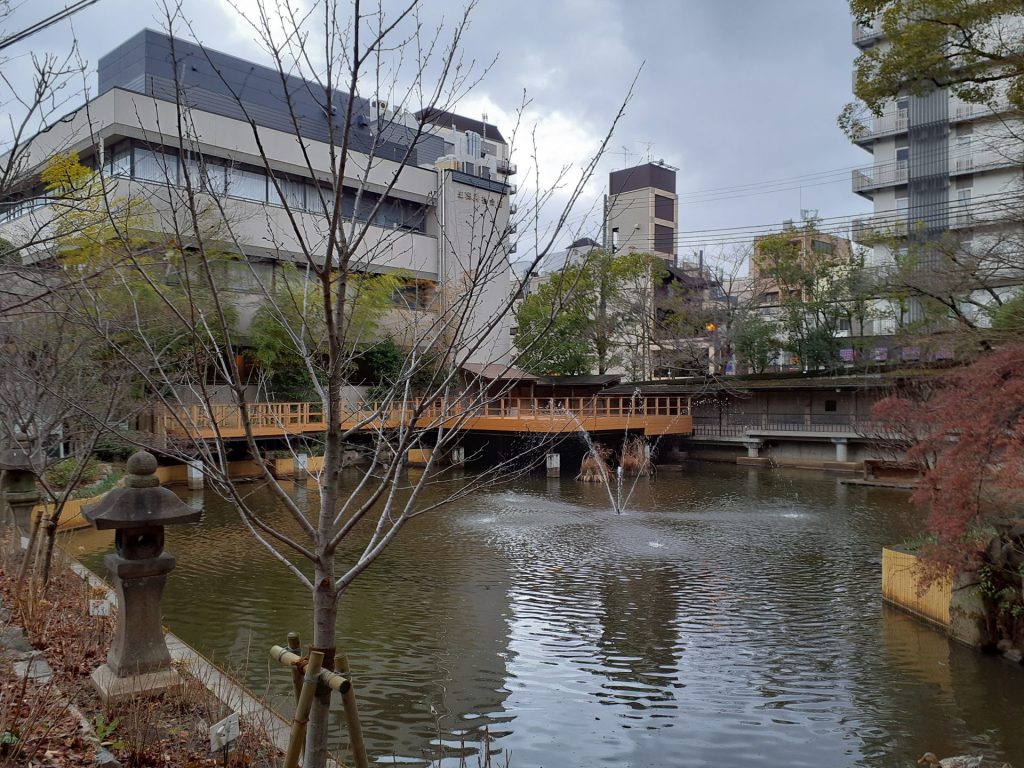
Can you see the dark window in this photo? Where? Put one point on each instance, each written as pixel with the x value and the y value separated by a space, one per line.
pixel 664 239
pixel 820 246
pixel 664 208
pixel 831 406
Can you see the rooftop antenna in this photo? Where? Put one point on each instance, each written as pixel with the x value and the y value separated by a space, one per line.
pixel 625 156
pixel 483 119
pixel 647 144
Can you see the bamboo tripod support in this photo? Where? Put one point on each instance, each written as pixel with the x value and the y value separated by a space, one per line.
pixel 306 679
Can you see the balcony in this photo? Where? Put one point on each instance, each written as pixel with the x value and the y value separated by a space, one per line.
pixel 506 168
pixel 984 160
pixel 878 176
pixel 869 230
pixel 511 189
pixel 865 36
pixel 889 124
pixel 960 111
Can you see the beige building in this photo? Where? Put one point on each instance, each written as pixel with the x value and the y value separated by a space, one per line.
pixel 642 211
pixel 434 217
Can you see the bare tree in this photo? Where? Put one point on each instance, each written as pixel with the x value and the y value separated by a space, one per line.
pixel 159 288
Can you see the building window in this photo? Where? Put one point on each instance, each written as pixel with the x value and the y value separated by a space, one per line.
pixel 820 246
pixel 120 163
pixel 664 208
pixel 831 406
pixel 248 185
pixel 415 294
pixel 664 239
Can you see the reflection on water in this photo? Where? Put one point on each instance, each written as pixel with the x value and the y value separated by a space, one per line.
pixel 730 616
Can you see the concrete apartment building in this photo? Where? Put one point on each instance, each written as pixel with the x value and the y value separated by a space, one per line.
pixel 444 224
pixel 940 165
pixel 642 210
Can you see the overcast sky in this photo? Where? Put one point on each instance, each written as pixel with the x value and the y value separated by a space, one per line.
pixel 740 95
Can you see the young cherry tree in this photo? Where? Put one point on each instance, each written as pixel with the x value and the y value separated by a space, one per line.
pixel 170 291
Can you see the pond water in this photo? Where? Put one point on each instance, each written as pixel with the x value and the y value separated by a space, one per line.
pixel 729 617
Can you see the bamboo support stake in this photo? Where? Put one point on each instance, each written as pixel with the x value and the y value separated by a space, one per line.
pixel 333 680
pixel 302 707
pixel 295 646
pixel 348 701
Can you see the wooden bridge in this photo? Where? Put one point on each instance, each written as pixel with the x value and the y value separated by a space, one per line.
pixel 655 416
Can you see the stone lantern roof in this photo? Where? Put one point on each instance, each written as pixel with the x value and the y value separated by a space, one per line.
pixel 142 502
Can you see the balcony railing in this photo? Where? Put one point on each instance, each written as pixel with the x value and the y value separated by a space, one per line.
pixel 876 176
pixel 865 33
pixel 887 125
pixel 984 160
pixel 507 168
pixel 870 229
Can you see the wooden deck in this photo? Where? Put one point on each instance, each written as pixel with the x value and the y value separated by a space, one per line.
pixel 653 416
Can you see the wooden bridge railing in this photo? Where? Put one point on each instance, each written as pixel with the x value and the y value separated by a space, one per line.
pixel 309 417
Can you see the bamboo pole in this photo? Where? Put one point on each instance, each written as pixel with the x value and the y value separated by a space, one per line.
pixel 295 646
pixel 348 701
pixel 333 680
pixel 302 707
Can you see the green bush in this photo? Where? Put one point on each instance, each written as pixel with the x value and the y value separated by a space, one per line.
pixel 111 447
pixel 59 475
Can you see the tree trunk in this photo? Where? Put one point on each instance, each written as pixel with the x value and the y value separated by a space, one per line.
pixel 51 539
pixel 325 616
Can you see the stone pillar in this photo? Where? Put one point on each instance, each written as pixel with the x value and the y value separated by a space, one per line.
pixel 301 466
pixel 841 448
pixel 553 462
pixel 458 456
pixel 138 662
pixel 195 475
pixel 753 446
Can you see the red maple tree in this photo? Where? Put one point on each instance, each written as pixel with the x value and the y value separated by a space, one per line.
pixel 965 431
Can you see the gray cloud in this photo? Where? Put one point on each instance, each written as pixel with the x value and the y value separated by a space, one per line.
pixel 732 91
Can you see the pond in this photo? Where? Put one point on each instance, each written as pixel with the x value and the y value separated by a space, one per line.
pixel 729 616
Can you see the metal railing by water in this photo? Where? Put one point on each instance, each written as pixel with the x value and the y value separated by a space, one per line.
pixel 739 425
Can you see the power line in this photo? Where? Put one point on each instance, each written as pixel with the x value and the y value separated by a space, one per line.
pixel 49 21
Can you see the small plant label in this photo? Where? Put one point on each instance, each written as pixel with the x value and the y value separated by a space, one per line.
pixel 99 607
pixel 224 732
pixel 24 542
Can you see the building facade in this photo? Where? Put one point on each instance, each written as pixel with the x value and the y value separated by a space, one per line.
pixel 941 168
pixel 642 211
pixel 261 148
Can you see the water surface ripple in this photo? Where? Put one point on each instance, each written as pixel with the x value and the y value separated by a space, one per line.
pixel 729 617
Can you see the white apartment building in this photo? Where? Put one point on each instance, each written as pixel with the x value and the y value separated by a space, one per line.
pixel 939 165
pixel 258 145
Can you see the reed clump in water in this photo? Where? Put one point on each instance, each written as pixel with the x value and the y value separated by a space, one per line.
pixel 635 461
pixel 594 468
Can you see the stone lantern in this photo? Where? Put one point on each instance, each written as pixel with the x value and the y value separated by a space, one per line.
pixel 21 491
pixel 138 661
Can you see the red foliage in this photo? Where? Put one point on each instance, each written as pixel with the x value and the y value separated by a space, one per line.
pixel 966 432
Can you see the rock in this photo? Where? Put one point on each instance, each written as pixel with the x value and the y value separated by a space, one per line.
pixel 1004 645
pixel 13 638
pixel 106 760
pixel 1014 655
pixel 35 669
